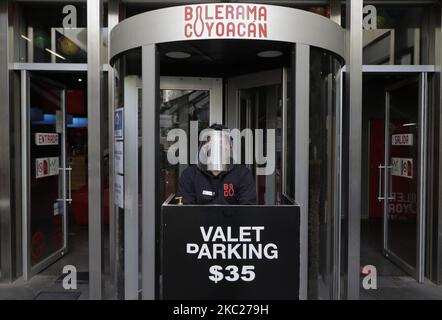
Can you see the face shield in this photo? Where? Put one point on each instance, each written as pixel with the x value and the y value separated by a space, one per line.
pixel 214 154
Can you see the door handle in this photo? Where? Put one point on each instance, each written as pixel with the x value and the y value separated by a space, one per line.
pixel 390 197
pixel 69 170
pixel 69 185
pixel 380 197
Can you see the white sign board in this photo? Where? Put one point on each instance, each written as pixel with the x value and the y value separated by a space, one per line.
pixel 402 167
pixel 119 191
pixel 45 167
pixel 46 139
pixel 119 124
pixel 119 157
pixel 405 139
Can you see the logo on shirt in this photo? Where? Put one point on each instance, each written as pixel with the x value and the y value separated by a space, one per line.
pixel 228 190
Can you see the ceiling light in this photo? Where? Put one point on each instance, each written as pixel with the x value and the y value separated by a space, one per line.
pixel 178 54
pixel 270 54
pixel 79 79
pixel 55 54
pixel 26 38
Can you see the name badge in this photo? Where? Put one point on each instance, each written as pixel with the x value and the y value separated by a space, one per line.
pixel 208 193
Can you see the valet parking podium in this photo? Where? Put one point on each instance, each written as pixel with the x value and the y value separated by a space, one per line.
pixel 230 252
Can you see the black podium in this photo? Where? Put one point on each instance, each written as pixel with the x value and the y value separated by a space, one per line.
pixel 230 252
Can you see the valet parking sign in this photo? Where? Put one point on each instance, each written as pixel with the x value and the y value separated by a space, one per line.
pixel 220 243
pixel 230 252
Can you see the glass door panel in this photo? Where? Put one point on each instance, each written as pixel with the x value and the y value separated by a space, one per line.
pixel 183 101
pixel 402 190
pixel 258 100
pixel 46 223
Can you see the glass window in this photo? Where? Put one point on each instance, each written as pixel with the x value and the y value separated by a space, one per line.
pixel 323 69
pixel 399 35
pixel 51 32
pixel 177 109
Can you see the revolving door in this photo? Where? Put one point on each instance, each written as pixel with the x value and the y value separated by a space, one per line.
pixel 278 88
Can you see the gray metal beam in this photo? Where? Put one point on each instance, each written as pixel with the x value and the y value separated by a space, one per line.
pixel 302 107
pixel 131 177
pixel 438 108
pixel 353 93
pixel 150 164
pixel 95 179
pixel 335 11
pixel 6 214
pixel 112 20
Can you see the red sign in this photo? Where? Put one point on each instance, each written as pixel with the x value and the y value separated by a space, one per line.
pixel 405 139
pixel 228 190
pixel 225 21
pixel 403 183
pixel 45 167
pixel 46 139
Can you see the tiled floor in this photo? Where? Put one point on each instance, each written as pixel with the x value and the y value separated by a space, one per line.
pixel 392 282
pixel 46 280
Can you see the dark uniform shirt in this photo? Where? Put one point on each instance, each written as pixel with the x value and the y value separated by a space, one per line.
pixel 235 186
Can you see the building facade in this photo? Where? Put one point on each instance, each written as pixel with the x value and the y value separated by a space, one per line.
pixel 350 88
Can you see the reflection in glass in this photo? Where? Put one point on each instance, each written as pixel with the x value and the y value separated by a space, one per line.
pixel 397 35
pixel 261 108
pixel 47 212
pixel 322 154
pixel 403 157
pixel 177 109
pixel 51 32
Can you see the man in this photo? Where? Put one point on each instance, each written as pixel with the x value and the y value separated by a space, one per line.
pixel 216 180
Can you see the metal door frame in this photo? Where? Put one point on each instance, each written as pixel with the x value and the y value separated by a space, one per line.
pixel 131 202
pixel 256 80
pixel 418 271
pixel 213 85
pixel 28 269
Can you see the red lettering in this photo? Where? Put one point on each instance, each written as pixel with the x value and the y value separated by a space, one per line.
pixel 207 15
pixel 230 29
pixel 230 12
pixel 231 190
pixel 251 13
pixel 187 30
pixel 219 11
pixel 262 30
pixel 219 29
pixel 262 14
pixel 209 28
pixel 240 12
pixel 198 24
pixel 188 13
pixel 241 29
pixel 252 30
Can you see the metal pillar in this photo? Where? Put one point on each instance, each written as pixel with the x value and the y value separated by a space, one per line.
pixel 95 154
pixel 150 173
pixel 438 54
pixel 112 20
pixel 301 176
pixel 6 214
pixel 353 94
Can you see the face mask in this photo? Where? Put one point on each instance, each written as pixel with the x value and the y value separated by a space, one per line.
pixel 214 154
